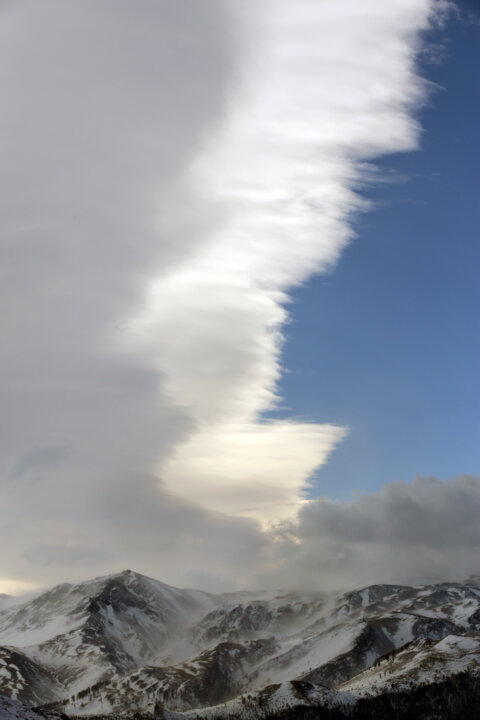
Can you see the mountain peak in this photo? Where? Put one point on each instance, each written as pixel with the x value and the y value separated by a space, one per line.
pixel 129 573
pixel 126 640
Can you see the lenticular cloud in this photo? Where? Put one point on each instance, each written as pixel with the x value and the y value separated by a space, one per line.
pixel 323 87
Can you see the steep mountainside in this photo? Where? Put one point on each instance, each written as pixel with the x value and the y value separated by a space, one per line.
pixel 125 642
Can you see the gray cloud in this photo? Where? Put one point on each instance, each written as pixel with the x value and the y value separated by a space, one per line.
pixel 38 459
pixel 104 106
pixel 128 523
pixel 424 529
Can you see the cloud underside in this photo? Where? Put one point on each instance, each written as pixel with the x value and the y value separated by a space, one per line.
pixel 424 531
pixel 170 171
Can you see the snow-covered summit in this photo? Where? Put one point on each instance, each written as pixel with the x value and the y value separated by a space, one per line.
pixel 126 641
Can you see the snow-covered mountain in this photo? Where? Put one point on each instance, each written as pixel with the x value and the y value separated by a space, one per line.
pixel 86 633
pixel 125 642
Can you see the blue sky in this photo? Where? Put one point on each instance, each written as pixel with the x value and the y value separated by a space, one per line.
pixel 388 342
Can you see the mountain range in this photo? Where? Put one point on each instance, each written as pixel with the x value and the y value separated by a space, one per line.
pixel 125 644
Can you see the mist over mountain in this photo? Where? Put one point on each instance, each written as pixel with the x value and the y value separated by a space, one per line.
pixel 6 600
pixel 126 643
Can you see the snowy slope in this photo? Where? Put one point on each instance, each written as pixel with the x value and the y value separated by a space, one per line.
pixel 420 662
pixel 279 614
pixel 25 680
pixel 129 642
pixel 216 675
pixel 271 700
pixel 86 633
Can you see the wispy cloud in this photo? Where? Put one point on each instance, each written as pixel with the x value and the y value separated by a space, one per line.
pixel 323 88
pixel 169 172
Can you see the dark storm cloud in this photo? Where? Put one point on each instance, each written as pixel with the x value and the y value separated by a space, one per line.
pixel 423 529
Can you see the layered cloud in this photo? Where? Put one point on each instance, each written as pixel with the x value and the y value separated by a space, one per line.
pixel 323 87
pixel 169 172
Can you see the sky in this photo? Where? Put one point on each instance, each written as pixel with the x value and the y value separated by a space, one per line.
pixel 238 293
pixel 388 344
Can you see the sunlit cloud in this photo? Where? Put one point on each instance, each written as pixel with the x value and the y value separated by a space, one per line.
pixel 324 88
pixel 252 470
pixel 9 586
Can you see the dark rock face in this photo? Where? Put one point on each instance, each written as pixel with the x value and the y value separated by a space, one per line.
pixel 238 622
pixel 245 622
pixel 474 621
pixel 434 629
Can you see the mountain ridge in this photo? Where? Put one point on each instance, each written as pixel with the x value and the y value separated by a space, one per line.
pixel 126 643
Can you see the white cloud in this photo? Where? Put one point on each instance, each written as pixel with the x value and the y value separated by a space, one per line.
pixel 324 87
pixel 255 470
pixel 169 172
